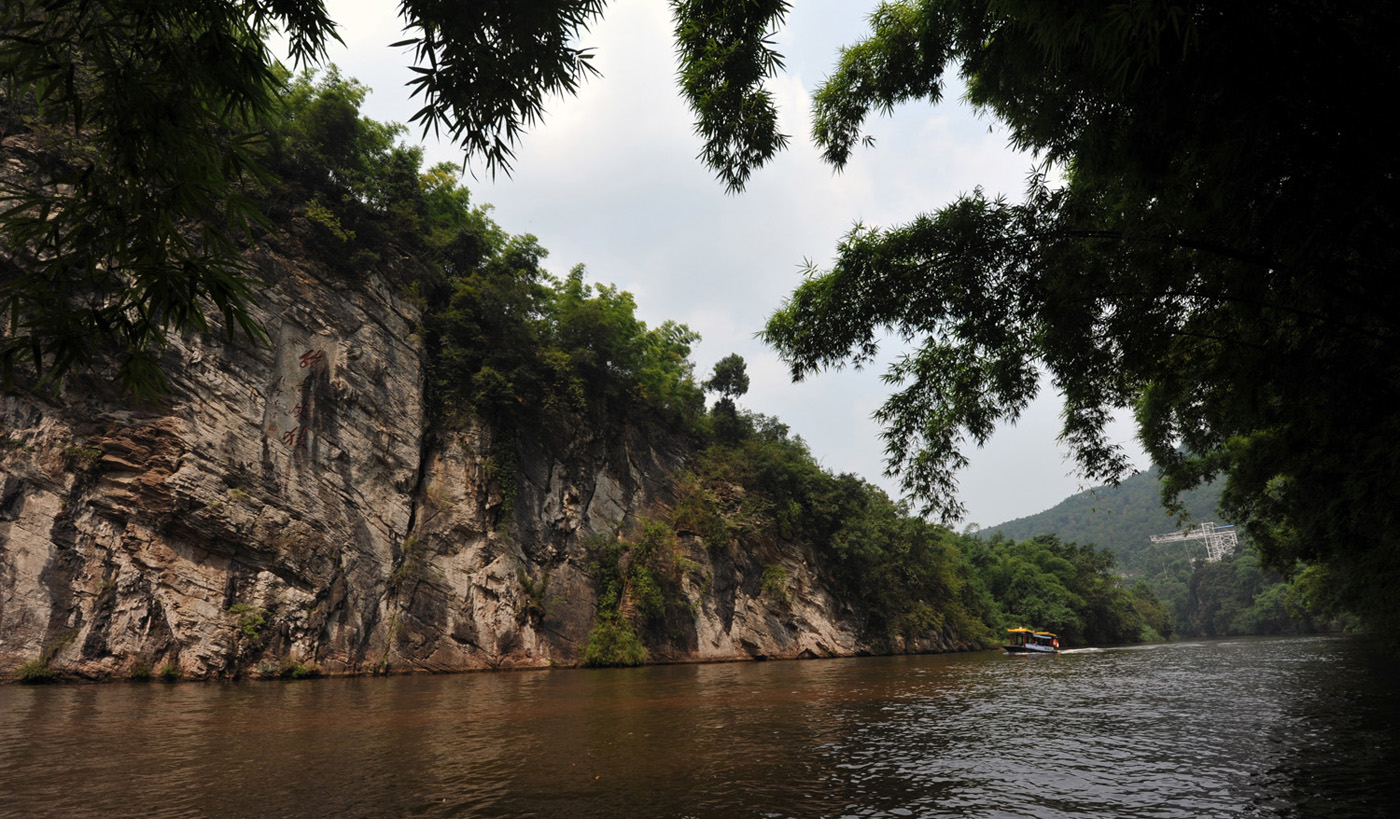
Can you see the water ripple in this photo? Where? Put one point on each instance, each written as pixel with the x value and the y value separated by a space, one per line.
pixel 1259 728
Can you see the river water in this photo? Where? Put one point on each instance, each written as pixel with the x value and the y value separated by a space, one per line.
pixel 1281 727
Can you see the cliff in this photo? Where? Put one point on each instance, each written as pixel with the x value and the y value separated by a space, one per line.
pixel 292 504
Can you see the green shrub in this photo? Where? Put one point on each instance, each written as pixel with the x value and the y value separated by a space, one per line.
pixel 612 643
pixel 646 592
pixel 775 582
pixel 697 511
pixel 291 669
pixel 169 672
pixel 80 458
pixel 250 619
pixel 305 671
pixel 36 671
pixel 319 214
pixel 537 599
pixel 141 671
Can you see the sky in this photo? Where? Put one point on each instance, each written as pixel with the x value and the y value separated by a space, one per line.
pixel 610 179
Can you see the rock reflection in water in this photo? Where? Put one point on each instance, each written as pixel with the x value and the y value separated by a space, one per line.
pixel 1296 727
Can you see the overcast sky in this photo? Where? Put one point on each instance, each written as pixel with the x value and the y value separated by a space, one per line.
pixel 611 181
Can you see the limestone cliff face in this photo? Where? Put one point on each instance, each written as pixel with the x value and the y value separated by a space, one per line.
pixel 289 503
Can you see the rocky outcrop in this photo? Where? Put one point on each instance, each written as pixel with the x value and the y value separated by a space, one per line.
pixel 289 504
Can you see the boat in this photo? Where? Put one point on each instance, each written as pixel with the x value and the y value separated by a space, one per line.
pixel 1030 641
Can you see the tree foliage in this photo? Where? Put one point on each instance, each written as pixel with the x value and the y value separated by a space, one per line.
pixel 731 380
pixel 508 342
pixel 730 377
pixel 1208 243
pixel 1068 589
pixel 484 69
pixel 132 124
pixel 1234 596
pixel 139 122
pixel 758 490
pixel 909 578
pixel 518 348
pixel 726 53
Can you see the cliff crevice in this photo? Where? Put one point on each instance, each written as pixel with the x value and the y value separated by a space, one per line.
pixel 293 504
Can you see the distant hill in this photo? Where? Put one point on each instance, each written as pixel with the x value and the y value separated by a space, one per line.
pixel 1119 518
pixel 1232 597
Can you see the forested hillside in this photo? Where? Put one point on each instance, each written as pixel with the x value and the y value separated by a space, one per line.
pixel 1234 596
pixel 1120 519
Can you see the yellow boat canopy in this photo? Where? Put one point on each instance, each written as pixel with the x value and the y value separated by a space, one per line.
pixel 1031 631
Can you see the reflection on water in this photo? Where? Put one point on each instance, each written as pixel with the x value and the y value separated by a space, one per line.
pixel 1299 727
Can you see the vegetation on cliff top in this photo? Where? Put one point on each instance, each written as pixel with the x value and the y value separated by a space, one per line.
pixel 508 342
pixel 524 351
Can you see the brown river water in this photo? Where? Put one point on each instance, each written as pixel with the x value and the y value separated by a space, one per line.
pixel 1268 727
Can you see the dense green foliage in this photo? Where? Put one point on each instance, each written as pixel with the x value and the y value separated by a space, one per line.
pixel 730 378
pixel 513 345
pixel 1209 242
pixel 1235 596
pixel 508 342
pixel 763 492
pixel 1068 589
pixel 726 55
pixel 484 68
pixel 143 120
pixel 35 671
pixel 637 584
pixel 130 121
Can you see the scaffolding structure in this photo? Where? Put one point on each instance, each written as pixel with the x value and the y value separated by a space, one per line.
pixel 1220 540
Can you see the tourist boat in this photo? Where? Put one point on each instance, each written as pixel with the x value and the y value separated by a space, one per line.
pixel 1029 641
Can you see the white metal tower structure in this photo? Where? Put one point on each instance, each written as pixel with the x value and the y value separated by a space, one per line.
pixel 1220 540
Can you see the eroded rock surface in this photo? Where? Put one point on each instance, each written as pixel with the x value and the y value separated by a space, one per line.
pixel 289 503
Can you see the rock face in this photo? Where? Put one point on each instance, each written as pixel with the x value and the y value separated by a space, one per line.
pixel 289 504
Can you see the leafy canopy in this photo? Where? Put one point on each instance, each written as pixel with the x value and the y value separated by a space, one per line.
pixel 129 126
pixel 726 52
pixel 1208 242
pixel 483 69
pixel 507 342
pixel 137 124
pixel 730 378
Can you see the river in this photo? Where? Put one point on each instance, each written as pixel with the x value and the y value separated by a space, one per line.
pixel 1259 727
